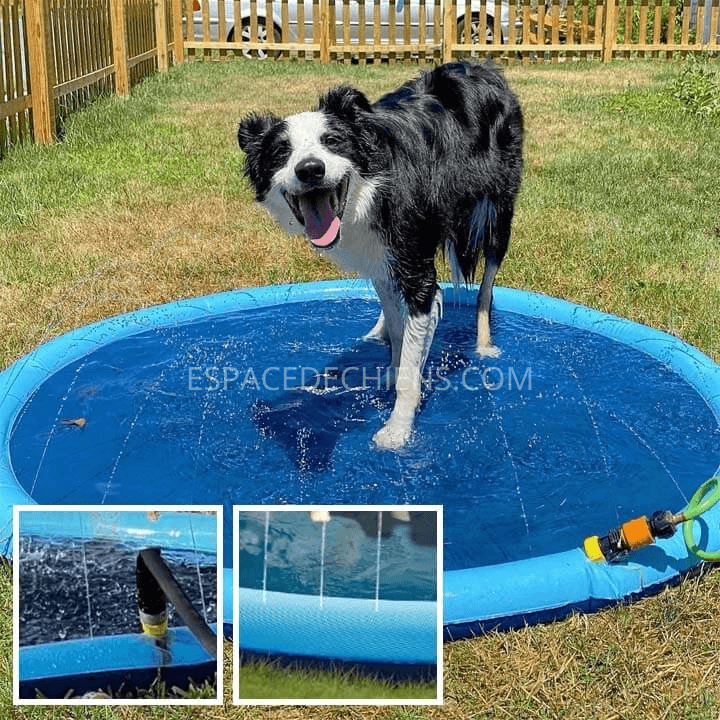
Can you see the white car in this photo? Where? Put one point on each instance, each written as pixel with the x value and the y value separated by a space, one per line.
pixel 354 8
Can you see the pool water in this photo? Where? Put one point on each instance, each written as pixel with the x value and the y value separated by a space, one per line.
pixel 566 434
pixel 78 588
pixel 293 556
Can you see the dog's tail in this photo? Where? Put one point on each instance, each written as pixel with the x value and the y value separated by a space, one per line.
pixel 464 253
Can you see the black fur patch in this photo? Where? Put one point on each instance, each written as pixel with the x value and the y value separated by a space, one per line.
pixel 266 147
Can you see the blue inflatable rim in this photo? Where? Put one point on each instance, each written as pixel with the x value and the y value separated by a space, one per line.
pixel 89 664
pixel 539 588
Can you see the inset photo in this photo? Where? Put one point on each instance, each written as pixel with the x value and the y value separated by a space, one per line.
pixel 117 605
pixel 338 605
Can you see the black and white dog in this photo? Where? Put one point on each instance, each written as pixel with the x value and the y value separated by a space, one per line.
pixel 379 188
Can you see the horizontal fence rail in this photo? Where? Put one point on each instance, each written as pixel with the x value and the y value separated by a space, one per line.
pixel 58 55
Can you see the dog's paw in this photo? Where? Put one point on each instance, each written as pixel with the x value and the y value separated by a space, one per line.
pixel 375 337
pixel 392 436
pixel 489 351
pixel 378 333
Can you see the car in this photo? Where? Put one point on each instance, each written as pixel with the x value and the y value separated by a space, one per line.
pixel 354 11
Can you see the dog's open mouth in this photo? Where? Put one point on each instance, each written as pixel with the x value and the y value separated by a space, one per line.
pixel 320 211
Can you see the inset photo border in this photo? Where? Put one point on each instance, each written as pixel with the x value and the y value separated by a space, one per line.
pixel 117 605
pixel 337 605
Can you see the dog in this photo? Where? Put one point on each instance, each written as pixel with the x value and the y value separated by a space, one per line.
pixel 380 188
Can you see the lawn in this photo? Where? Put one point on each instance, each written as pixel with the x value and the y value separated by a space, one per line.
pixel 144 202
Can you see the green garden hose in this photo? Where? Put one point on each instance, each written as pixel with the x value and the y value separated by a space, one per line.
pixel 704 498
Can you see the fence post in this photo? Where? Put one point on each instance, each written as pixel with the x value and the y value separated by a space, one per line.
pixel 178 39
pixel 161 35
pixel 324 31
pixel 42 71
pixel 609 30
pixel 118 27
pixel 449 29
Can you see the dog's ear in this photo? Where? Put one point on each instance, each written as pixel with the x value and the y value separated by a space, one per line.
pixel 253 128
pixel 345 102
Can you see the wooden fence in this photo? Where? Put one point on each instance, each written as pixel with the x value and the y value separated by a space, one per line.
pixel 59 54
pixel 440 30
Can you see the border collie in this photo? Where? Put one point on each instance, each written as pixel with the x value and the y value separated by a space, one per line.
pixel 379 188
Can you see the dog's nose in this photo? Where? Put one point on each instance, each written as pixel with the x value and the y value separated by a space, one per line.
pixel 310 170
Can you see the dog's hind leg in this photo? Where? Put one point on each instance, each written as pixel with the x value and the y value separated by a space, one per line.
pixel 416 341
pixel 484 345
pixel 382 331
pixel 379 332
pixel 495 247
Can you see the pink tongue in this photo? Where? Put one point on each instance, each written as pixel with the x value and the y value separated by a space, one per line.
pixel 321 223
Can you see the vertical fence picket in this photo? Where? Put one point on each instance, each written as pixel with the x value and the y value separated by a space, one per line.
pixel 482 23
pixel 161 41
pixel 324 30
pixel 284 25
pixel 643 26
pixel 21 74
pixel 316 33
pixel 392 30
pixel 42 71
pixel 609 29
pixel 526 30
pixel 512 37
pixel 407 32
pixel 362 32
pixel 302 54
pixel 178 36
pixel 555 31
pixel 205 21
pixel 9 89
pixel 237 21
pixel 377 30
pixel 449 33
pixel 422 31
pixel 497 27
pixel 118 29
pixel 657 26
pixel 222 27
pixel 699 23
pixel 347 50
pixel 6 118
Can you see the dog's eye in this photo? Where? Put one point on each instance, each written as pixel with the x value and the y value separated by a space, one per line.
pixel 331 140
pixel 281 146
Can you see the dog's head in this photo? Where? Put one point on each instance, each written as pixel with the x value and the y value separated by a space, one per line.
pixel 307 169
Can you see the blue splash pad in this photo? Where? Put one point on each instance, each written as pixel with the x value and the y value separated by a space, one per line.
pixel 585 421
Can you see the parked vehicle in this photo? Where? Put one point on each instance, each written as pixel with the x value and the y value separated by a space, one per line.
pixel 230 33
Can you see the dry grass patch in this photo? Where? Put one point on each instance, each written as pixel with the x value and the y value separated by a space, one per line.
pixel 637 662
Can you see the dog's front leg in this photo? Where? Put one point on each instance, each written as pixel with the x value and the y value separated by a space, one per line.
pixel 416 340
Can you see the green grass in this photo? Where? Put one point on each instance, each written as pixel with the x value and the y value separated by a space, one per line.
pixel 268 680
pixel 145 202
